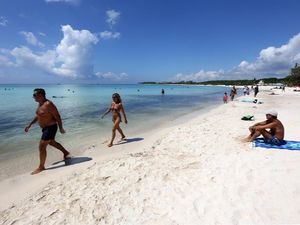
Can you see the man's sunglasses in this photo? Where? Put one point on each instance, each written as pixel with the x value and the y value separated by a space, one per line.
pixel 34 95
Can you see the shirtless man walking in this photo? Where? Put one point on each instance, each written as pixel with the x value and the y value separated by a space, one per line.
pixel 48 118
pixel 274 135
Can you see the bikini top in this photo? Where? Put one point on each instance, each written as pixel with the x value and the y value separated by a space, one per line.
pixel 115 107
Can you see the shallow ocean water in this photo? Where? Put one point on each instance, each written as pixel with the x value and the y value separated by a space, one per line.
pixel 80 107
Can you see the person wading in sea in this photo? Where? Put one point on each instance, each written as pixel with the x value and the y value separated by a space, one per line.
pixel 48 118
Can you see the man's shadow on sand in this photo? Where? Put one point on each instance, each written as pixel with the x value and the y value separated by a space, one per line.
pixel 129 140
pixel 69 161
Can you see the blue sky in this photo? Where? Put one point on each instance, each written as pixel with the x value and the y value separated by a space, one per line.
pixel 110 41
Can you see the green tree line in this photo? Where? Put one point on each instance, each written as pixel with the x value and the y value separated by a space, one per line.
pixel 293 79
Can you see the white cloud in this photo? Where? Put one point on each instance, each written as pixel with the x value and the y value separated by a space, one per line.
pixel 112 17
pixel 74 52
pixel 3 21
pixel 42 34
pixel 272 61
pixel 74 2
pixel 24 57
pixel 31 39
pixel 199 76
pixel 23 16
pixel 70 58
pixel 5 62
pixel 109 35
pixel 112 76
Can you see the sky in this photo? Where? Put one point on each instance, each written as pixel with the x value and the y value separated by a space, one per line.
pixel 112 41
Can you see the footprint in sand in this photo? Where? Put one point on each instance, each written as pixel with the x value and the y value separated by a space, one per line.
pixel 92 147
pixel 200 207
pixel 160 221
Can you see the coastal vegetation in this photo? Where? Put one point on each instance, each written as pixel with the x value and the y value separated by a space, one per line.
pixel 293 79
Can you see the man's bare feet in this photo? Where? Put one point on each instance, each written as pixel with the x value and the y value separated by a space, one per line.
pixel 38 170
pixel 247 139
pixel 123 138
pixel 67 155
pixel 110 144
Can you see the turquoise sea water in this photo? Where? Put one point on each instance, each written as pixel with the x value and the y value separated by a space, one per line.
pixel 80 109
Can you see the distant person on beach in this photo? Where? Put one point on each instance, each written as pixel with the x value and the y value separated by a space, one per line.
pixel 231 95
pixel 116 108
pixel 283 88
pixel 233 92
pixel 245 90
pixel 48 118
pixel 256 91
pixel 225 98
pixel 162 91
pixel 272 129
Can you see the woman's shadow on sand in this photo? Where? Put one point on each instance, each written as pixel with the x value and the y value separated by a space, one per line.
pixel 69 161
pixel 129 140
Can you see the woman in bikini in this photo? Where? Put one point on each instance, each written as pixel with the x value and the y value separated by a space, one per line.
pixel 116 108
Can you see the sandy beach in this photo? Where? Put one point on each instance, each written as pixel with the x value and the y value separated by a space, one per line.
pixel 196 172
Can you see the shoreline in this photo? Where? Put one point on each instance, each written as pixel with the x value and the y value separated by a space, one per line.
pixel 164 161
pixel 84 146
pixel 94 149
pixel 19 150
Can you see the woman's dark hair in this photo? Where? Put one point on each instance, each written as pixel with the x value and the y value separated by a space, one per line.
pixel 117 97
pixel 40 91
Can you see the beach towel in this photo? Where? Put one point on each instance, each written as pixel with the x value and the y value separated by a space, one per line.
pixel 246 100
pixel 288 145
pixel 251 101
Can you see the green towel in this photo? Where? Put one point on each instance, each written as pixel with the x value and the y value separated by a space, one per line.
pixel 248 117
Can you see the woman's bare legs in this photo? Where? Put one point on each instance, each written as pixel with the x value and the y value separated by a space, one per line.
pixel 121 132
pixel 256 133
pixel 113 135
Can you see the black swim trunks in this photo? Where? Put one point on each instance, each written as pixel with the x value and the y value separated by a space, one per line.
pixel 49 132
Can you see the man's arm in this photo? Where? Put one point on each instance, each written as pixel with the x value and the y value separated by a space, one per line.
pixel 32 122
pixel 266 126
pixel 53 110
pixel 252 128
pixel 261 123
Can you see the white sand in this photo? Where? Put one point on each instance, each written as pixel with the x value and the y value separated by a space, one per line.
pixel 194 173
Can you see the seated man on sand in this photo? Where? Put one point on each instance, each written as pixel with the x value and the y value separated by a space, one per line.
pixel 272 129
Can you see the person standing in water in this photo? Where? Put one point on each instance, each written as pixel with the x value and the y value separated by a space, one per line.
pixel 116 108
pixel 162 91
pixel 225 98
pixel 49 119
